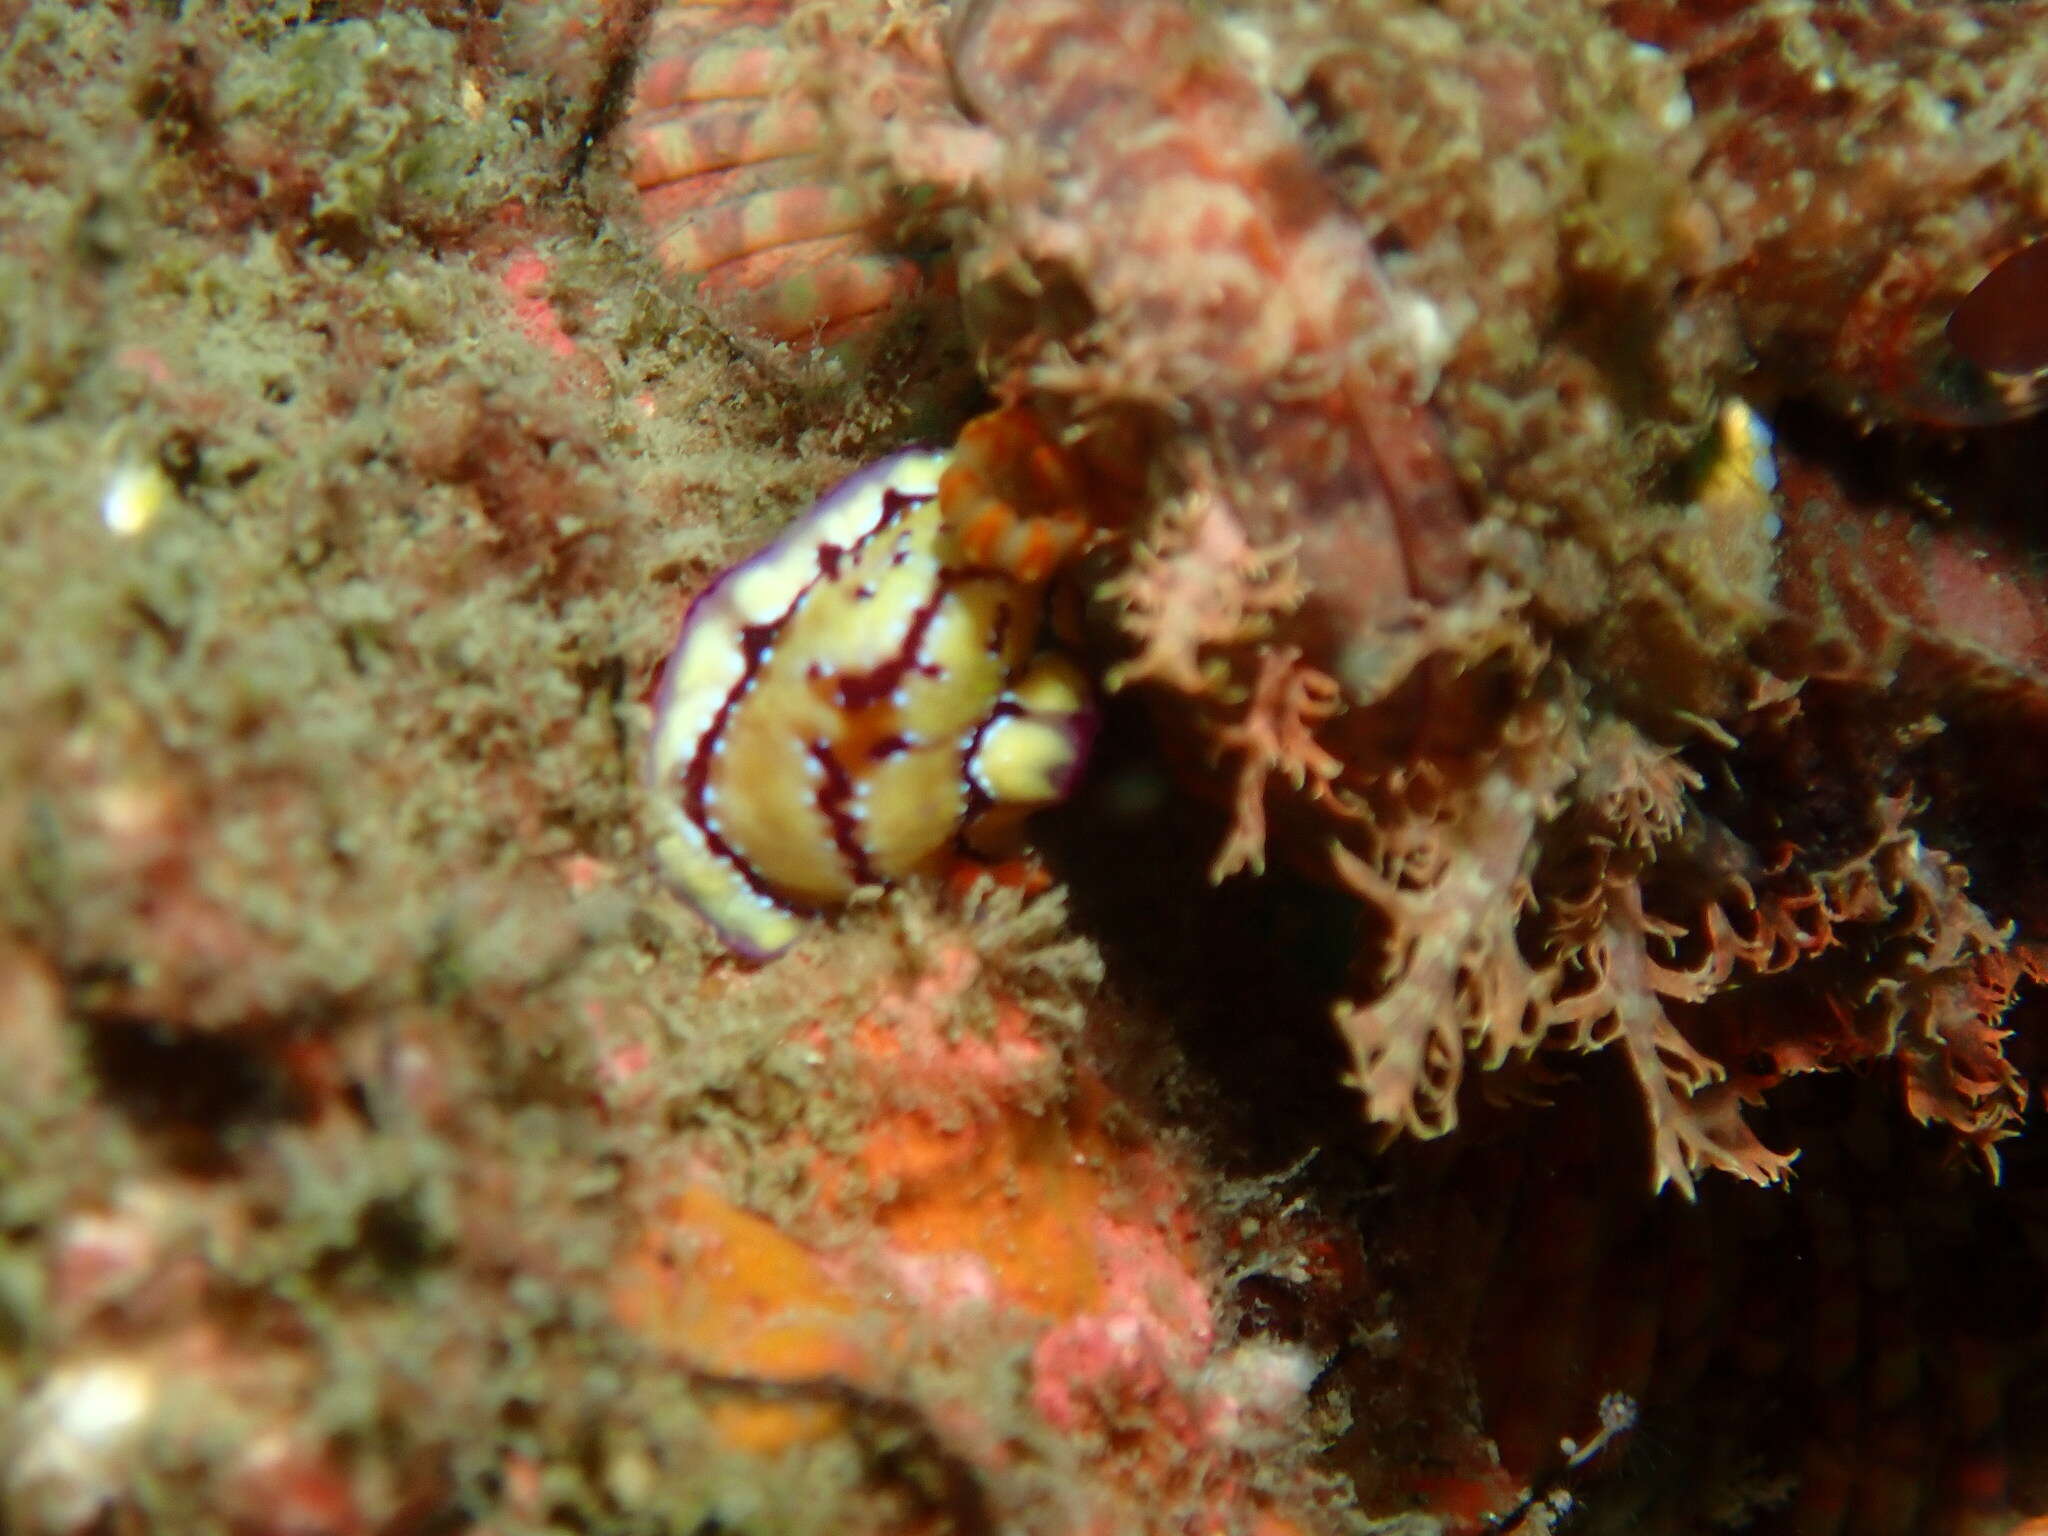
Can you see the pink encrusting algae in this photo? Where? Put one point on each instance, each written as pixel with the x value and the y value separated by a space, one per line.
pixel 976 1214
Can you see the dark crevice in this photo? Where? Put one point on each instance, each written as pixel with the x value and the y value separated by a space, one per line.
pixel 193 1091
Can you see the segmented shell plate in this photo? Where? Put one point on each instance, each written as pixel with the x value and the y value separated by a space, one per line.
pixel 726 151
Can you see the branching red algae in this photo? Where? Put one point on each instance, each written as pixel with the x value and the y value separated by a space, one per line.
pixel 1483 698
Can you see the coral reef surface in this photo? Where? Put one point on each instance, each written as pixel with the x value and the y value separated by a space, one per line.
pixel 1553 497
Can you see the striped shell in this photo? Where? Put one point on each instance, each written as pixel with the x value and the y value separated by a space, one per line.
pixel 726 151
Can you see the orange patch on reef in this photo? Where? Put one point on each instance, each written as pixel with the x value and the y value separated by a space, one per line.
pixel 1006 1193
pixel 735 1297
pixel 1023 873
pixel 980 1188
pixel 986 1192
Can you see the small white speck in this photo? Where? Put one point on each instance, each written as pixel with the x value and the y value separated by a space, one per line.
pixel 99 1403
pixel 73 1435
pixel 135 496
pixel 1253 48
pixel 1430 336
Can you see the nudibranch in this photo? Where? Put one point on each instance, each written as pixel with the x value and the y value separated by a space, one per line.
pixel 868 691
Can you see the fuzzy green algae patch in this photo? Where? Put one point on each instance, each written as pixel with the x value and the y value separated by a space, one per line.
pixel 336 566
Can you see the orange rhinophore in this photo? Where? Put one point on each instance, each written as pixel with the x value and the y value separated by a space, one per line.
pixel 1013 499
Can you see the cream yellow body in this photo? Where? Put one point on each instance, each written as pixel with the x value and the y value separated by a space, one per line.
pixel 841 704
